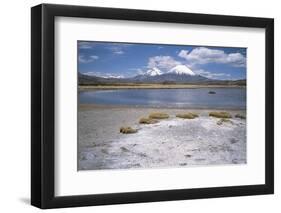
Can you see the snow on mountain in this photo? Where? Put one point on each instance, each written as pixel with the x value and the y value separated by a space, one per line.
pixel 181 69
pixel 153 72
pixel 106 75
pixel 113 76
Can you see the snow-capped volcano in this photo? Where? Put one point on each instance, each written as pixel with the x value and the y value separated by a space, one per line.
pixel 178 74
pixel 181 69
pixel 153 72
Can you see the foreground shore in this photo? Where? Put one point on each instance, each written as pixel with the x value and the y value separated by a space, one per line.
pixel 172 142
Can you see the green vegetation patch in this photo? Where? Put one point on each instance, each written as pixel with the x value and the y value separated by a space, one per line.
pixel 148 121
pixel 240 116
pixel 158 115
pixel 189 115
pixel 220 114
pixel 224 120
pixel 127 130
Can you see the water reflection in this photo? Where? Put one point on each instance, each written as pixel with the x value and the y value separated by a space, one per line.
pixel 195 98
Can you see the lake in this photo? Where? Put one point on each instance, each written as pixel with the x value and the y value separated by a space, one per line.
pixel 224 98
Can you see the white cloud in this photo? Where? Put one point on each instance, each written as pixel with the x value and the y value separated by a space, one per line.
pixel 203 55
pixel 108 75
pixel 91 73
pixel 117 49
pixel 95 57
pixel 85 45
pixel 119 52
pixel 83 59
pixel 183 53
pixel 211 75
pixel 140 71
pixel 104 75
pixel 162 62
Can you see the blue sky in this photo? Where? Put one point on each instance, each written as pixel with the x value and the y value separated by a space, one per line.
pixel 109 59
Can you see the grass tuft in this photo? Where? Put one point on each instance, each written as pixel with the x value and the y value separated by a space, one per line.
pixel 127 130
pixel 188 115
pixel 220 114
pixel 224 120
pixel 240 116
pixel 158 115
pixel 124 149
pixel 147 121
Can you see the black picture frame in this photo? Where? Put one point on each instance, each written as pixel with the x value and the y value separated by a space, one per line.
pixel 43 102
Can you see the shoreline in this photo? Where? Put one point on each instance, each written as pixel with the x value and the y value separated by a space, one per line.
pixel 91 106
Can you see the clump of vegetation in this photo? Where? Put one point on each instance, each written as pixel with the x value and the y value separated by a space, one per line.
pixel 127 130
pixel 240 116
pixel 104 151
pixel 124 149
pixel 188 115
pixel 224 120
pixel 220 114
pixel 158 115
pixel 147 121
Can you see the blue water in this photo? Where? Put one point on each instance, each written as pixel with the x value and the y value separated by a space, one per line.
pixel 225 98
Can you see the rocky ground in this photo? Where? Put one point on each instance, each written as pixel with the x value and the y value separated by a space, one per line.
pixel 172 142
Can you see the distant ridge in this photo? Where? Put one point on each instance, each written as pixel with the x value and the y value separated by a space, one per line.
pixel 167 78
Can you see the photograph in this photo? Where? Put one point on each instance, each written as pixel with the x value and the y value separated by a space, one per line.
pixel 144 106
pixel 141 105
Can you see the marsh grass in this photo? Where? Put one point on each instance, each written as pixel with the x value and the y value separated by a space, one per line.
pixel 127 130
pixel 104 151
pixel 220 114
pixel 148 121
pixel 224 120
pixel 124 149
pixel 240 116
pixel 188 115
pixel 158 115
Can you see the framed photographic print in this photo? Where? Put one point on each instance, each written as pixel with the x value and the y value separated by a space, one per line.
pixel 139 106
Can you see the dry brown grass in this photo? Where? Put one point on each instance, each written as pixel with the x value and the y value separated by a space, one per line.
pixel 240 116
pixel 189 115
pixel 158 115
pixel 124 149
pixel 148 121
pixel 224 120
pixel 127 130
pixel 220 114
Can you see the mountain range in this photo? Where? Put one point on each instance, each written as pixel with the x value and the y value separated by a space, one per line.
pixel 180 74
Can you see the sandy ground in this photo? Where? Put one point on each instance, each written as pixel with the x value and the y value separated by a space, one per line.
pixel 172 142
